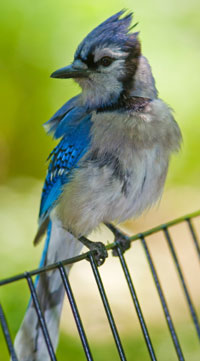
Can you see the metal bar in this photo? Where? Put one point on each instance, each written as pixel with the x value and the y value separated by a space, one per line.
pixel 194 236
pixel 190 304
pixel 163 302
pixel 108 247
pixel 168 224
pixel 44 269
pixel 107 308
pixel 7 336
pixel 75 312
pixel 137 305
pixel 41 318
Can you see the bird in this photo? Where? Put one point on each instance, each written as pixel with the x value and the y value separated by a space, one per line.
pixel 116 139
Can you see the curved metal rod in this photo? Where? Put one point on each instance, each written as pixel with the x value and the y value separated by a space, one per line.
pixel 110 246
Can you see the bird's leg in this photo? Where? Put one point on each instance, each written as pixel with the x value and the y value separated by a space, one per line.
pixel 121 239
pixel 100 252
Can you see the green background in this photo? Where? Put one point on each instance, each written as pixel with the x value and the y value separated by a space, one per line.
pixel 40 36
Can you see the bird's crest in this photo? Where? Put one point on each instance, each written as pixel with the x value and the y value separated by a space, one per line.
pixel 114 30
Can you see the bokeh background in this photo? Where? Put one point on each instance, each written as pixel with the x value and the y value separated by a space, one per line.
pixel 37 37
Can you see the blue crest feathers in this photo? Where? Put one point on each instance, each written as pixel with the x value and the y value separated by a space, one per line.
pixel 114 30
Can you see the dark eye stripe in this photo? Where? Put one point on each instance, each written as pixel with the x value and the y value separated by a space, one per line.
pixel 89 61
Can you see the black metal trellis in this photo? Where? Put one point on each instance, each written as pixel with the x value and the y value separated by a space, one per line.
pixel 89 255
pixel 75 312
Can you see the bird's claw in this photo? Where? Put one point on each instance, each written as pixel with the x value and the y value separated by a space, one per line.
pixel 122 241
pixel 100 252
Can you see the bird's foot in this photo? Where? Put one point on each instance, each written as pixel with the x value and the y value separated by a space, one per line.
pixel 98 248
pixel 100 252
pixel 121 240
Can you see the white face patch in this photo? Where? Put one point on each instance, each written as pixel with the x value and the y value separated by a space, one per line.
pixel 116 69
pixel 103 86
pixel 115 53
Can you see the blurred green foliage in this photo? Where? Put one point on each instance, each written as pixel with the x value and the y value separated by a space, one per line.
pixel 39 36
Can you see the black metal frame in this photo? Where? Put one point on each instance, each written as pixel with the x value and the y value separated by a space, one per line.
pixel 89 255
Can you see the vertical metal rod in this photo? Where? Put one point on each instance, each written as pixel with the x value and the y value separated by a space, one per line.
pixel 7 336
pixel 194 236
pixel 41 318
pixel 190 304
pixel 107 308
pixel 163 302
pixel 137 305
pixel 75 312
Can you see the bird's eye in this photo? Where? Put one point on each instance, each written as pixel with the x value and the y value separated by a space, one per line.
pixel 106 61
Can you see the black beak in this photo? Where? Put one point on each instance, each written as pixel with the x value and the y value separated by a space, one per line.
pixel 70 72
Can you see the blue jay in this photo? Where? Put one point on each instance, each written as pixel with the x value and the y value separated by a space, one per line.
pixel 116 140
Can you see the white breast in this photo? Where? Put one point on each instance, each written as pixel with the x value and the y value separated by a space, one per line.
pixel 142 144
pixel 148 170
pixel 95 195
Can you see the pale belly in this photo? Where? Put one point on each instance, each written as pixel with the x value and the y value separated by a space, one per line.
pixel 97 194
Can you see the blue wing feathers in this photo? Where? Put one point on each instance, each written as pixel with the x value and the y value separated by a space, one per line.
pixel 50 194
pixel 64 158
pixel 69 121
pixel 52 124
pixel 46 245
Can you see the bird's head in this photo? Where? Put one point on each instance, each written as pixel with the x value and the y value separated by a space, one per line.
pixel 105 62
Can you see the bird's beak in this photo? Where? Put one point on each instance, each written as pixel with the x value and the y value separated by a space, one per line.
pixel 70 71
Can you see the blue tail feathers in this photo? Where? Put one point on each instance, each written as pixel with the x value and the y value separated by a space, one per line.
pixel 45 250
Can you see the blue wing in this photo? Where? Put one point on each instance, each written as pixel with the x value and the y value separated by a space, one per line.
pixel 65 118
pixel 75 132
pixel 63 159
